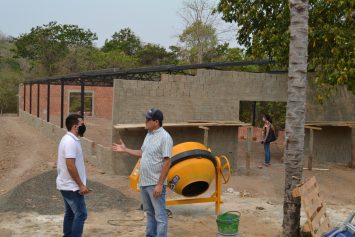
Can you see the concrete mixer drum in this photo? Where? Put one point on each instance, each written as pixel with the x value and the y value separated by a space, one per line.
pixel 192 170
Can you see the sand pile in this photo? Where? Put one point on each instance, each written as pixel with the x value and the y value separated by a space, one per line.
pixel 39 194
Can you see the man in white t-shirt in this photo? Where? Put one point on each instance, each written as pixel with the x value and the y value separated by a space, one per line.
pixel 71 179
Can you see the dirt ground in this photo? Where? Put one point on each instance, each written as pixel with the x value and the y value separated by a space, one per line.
pixel 30 205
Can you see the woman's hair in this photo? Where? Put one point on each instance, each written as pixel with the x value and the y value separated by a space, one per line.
pixel 268 118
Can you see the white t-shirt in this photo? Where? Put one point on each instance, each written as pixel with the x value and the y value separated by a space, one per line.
pixel 69 147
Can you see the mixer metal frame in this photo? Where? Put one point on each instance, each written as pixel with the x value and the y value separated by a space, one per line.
pixel 216 196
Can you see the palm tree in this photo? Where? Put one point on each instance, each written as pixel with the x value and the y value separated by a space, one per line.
pixel 295 115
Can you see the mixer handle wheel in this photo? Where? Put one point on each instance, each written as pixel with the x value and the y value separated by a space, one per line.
pixel 225 166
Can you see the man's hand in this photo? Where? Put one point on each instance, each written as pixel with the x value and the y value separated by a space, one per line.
pixel 158 190
pixel 83 190
pixel 119 147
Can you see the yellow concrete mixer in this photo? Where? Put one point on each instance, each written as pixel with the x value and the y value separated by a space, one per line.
pixel 192 170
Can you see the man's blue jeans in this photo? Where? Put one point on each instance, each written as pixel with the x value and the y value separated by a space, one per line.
pixel 157 218
pixel 75 213
pixel 267 152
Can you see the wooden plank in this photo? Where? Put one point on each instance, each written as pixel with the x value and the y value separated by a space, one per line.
pixel 130 126
pixel 141 125
pixel 314 207
pixel 311 194
pixel 331 123
pixel 318 169
pixel 312 127
pixel 311 199
pixel 235 145
pixel 320 224
pixel 205 135
pixel 297 192
pixel 249 140
pixel 310 191
pixel 204 128
pixel 304 187
pixel 215 121
pixel 309 185
pixel 310 157
pixel 306 227
pixel 325 227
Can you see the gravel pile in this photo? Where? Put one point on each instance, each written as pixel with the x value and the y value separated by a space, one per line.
pixel 39 194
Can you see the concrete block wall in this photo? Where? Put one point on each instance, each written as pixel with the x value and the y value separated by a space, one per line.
pixel 340 106
pixel 222 141
pixel 97 155
pixel 331 144
pixel 336 138
pixel 216 95
pixel 210 95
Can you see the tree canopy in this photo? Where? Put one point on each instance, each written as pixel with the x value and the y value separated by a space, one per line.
pixel 124 40
pixel 48 44
pixel 264 31
pixel 10 76
pixel 153 54
pixel 199 39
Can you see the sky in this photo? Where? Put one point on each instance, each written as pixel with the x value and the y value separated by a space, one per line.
pixel 154 21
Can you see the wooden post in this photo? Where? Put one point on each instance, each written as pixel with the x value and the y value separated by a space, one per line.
pixel 310 157
pixel 234 162
pixel 218 187
pixel 249 139
pixel 205 135
pixel 352 165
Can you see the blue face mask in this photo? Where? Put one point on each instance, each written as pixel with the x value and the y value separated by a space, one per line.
pixel 81 130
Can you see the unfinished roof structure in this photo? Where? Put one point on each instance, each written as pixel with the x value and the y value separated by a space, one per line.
pixel 211 96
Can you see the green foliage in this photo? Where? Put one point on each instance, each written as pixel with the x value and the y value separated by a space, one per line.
pixel 263 31
pixel 276 110
pixel 125 40
pixel 152 54
pixel 112 59
pixel 9 81
pixel 262 26
pixel 75 102
pixel 78 59
pixel 10 74
pixel 89 58
pixel 331 41
pixel 199 40
pixel 223 53
pixel 48 44
pixel 11 63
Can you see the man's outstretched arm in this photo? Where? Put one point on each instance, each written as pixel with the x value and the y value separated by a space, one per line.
pixel 121 148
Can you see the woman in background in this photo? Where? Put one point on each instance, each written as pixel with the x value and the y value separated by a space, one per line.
pixel 268 134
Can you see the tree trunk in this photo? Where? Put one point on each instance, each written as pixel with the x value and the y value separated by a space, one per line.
pixel 295 115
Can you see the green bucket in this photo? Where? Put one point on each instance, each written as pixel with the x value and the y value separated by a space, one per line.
pixel 228 223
